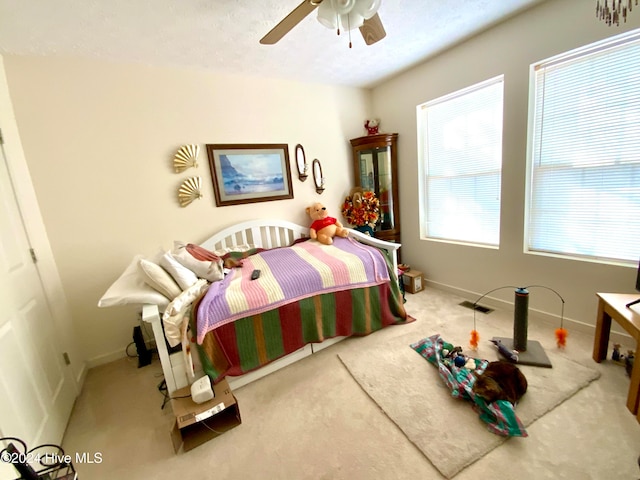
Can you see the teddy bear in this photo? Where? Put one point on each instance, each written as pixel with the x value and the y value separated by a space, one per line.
pixel 356 196
pixel 324 227
pixel 372 126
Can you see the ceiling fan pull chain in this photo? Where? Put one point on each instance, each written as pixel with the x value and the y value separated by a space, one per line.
pixel 349 28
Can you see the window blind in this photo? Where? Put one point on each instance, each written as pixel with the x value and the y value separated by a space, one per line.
pixel 585 153
pixel 461 156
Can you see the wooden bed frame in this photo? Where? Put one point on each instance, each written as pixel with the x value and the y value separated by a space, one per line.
pixel 262 234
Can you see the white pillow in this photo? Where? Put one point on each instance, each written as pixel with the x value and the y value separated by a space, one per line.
pixel 209 270
pixel 130 288
pixel 157 277
pixel 186 298
pixel 173 316
pixel 181 274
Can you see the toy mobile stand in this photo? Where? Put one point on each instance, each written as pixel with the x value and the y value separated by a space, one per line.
pixel 45 462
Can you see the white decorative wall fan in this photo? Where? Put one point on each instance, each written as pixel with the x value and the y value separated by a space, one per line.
pixel 340 15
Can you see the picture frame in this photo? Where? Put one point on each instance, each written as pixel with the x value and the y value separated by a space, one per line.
pixel 248 173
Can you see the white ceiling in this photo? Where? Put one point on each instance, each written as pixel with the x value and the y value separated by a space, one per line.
pixel 223 35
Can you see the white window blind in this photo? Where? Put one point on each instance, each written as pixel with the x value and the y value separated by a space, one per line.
pixel 461 156
pixel 585 153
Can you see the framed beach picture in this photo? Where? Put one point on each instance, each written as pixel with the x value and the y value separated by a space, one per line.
pixel 250 173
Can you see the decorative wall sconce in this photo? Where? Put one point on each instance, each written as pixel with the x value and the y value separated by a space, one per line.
pixel 301 163
pixel 189 191
pixel 186 157
pixel 317 175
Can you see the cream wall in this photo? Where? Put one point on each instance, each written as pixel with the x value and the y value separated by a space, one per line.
pixel 64 331
pixel 508 49
pixel 99 140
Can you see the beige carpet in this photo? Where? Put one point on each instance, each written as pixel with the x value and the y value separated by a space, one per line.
pixel 312 421
pixel 447 431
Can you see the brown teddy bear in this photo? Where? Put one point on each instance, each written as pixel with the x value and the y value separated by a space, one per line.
pixel 324 227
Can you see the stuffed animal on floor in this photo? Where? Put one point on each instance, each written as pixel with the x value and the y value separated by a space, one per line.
pixel 324 227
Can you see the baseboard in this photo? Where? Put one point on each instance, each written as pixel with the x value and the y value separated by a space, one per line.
pixel 549 318
pixel 105 358
pixel 117 355
pixel 81 376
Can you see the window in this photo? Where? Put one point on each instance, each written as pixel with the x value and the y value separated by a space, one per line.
pixel 584 153
pixel 460 155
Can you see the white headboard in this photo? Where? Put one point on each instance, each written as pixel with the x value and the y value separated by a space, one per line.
pixel 270 233
pixel 258 233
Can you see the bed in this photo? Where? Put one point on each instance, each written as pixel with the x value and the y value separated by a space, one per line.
pixel 245 345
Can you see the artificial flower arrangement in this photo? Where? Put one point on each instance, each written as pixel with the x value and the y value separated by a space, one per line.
pixel 361 209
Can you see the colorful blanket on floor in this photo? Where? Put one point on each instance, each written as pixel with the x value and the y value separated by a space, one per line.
pixel 499 416
pixel 290 274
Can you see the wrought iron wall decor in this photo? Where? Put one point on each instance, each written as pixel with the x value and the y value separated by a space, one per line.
pixel 317 176
pixel 301 163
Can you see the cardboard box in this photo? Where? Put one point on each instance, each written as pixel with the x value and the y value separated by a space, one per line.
pixel 198 423
pixel 412 280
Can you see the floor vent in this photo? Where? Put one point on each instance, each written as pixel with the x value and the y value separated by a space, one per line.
pixel 477 308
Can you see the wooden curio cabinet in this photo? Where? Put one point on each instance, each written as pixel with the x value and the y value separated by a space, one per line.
pixel 375 162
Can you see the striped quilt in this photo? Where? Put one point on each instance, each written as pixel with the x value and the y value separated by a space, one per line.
pixel 289 274
pixel 252 342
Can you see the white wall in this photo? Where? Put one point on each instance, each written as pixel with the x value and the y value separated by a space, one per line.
pixel 99 140
pixel 66 338
pixel 509 49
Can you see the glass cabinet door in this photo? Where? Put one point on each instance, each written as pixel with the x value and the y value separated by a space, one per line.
pixel 376 175
pixel 375 165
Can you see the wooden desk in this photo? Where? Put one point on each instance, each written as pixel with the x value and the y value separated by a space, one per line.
pixel 613 306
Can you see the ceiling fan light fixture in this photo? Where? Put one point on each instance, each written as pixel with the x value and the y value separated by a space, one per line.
pixel 351 20
pixel 367 8
pixel 342 7
pixel 327 16
pixel 346 14
pixel 334 15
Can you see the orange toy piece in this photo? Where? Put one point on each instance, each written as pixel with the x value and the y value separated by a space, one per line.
pixel 475 338
pixel 561 337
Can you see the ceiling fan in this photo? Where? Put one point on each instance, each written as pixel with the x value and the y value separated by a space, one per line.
pixel 334 14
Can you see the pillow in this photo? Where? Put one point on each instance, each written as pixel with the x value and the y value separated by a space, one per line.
pixel 157 277
pixel 211 270
pixel 130 288
pixel 181 274
pixel 186 298
pixel 173 316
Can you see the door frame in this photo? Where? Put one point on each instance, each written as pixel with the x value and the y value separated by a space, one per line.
pixel 35 228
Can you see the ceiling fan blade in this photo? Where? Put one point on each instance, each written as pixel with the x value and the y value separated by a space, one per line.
pixel 372 30
pixel 290 21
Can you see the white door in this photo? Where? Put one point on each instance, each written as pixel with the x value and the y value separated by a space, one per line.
pixel 36 386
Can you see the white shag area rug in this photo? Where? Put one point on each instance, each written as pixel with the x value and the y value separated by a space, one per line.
pixel 447 430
